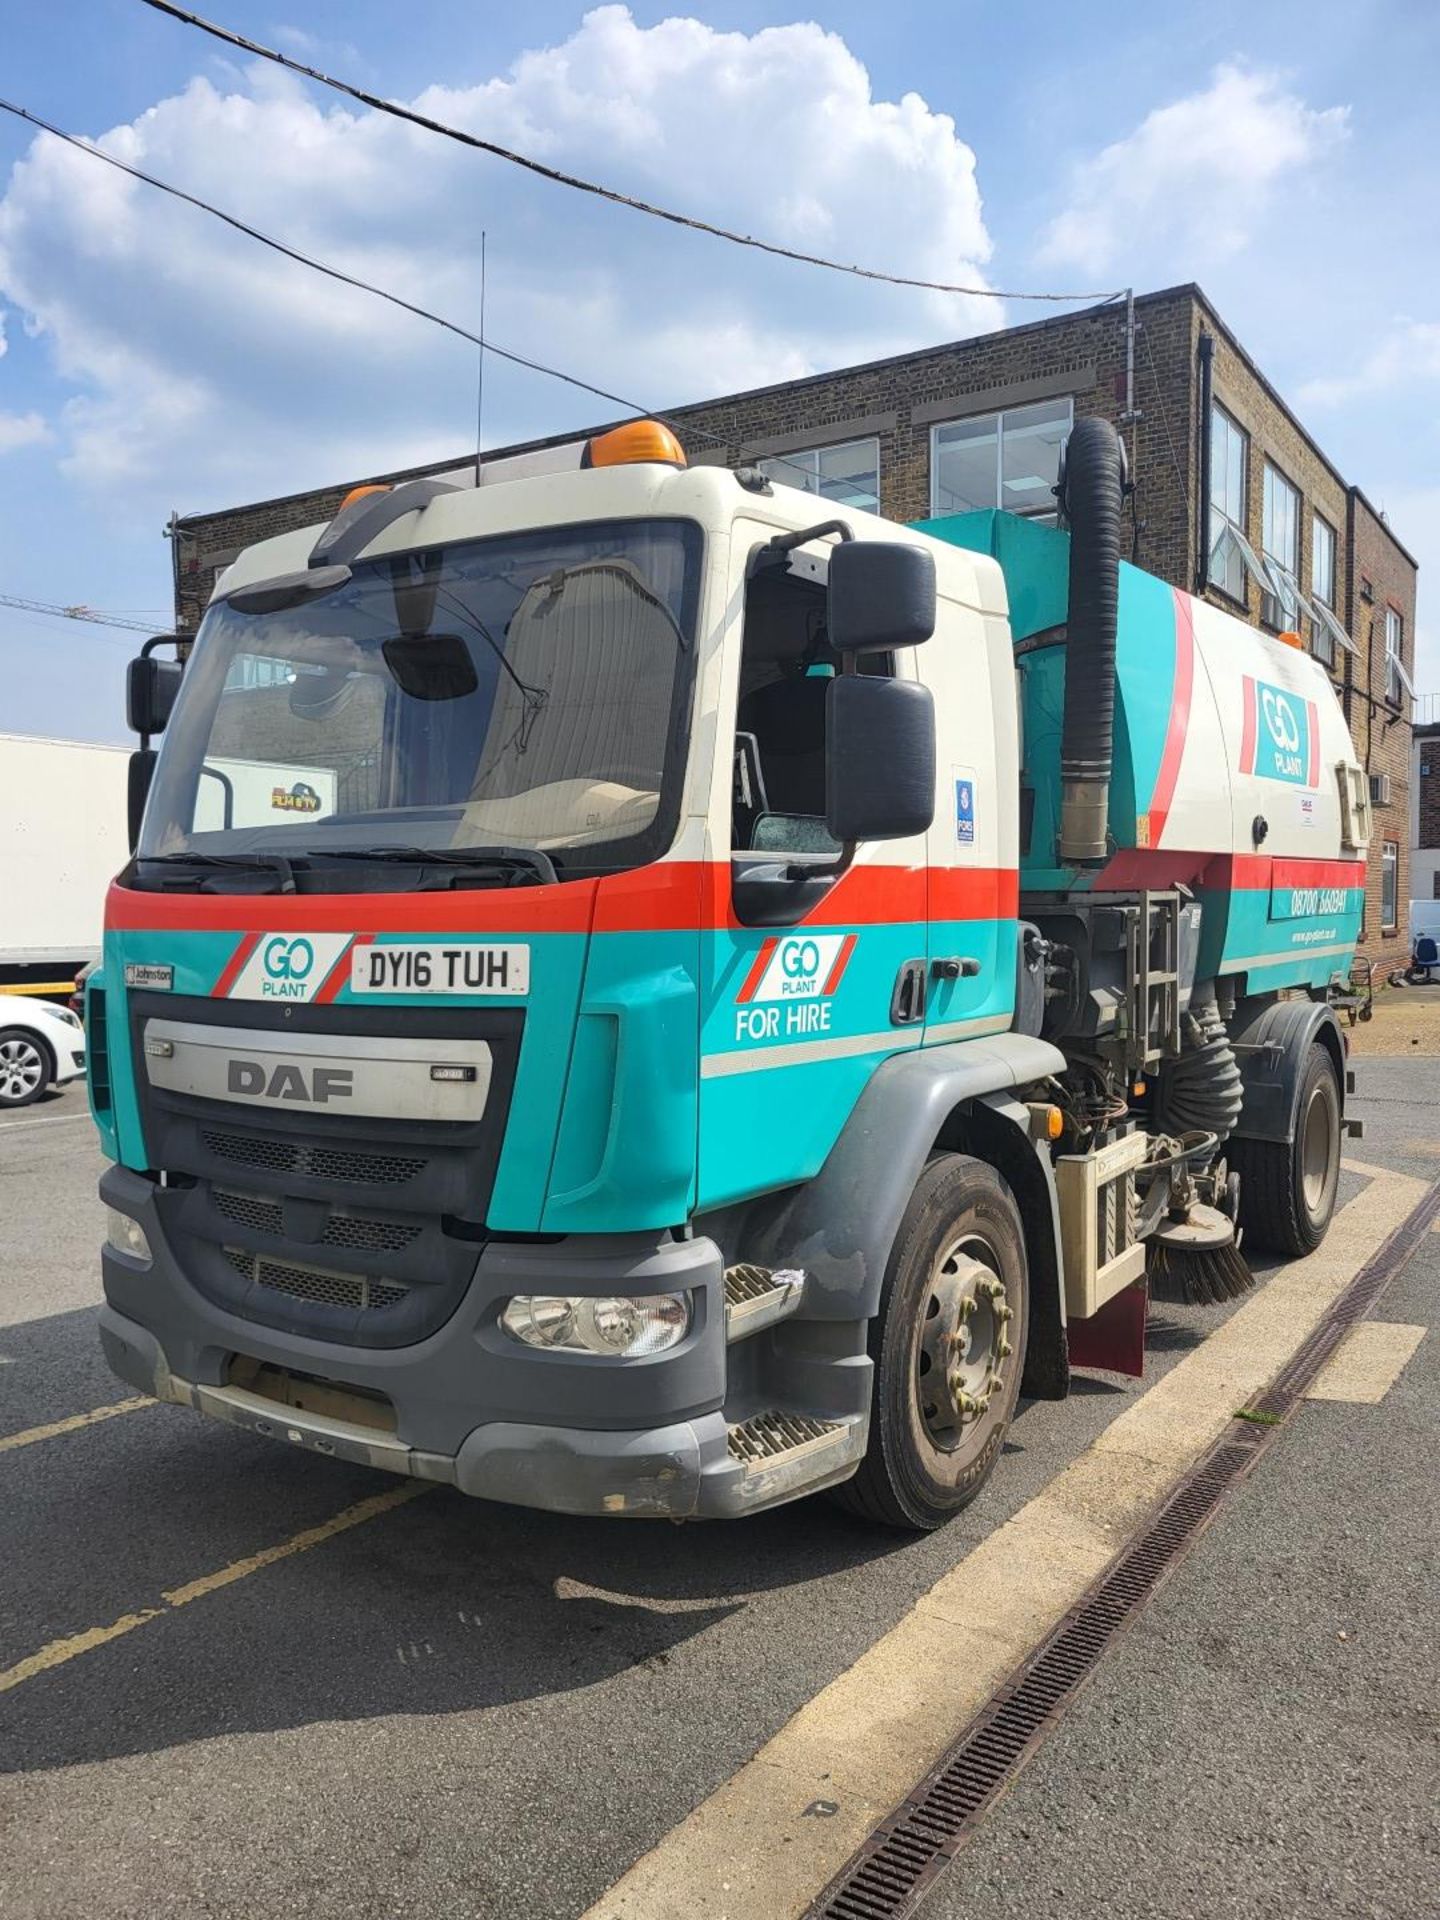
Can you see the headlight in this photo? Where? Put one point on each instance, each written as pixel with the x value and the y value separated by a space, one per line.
pixel 126 1236
pixel 620 1327
pixel 70 1019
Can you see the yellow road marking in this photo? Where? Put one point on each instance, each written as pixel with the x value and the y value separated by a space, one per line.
pixel 1367 1363
pixel 75 1422
pixel 58 1652
pixel 750 1851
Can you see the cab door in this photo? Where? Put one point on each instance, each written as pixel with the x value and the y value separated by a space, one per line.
pixel 972 845
pixel 804 969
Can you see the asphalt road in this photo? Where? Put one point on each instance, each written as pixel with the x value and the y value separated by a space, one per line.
pixel 448 1708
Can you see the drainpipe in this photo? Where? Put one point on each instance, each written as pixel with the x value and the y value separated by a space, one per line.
pixel 1202 491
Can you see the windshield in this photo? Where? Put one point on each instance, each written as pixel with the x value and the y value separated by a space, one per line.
pixel 525 692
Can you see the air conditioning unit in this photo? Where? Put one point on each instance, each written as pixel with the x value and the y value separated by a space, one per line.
pixel 1380 789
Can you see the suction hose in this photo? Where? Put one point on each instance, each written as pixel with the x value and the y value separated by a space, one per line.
pixel 1201 1091
pixel 1091 489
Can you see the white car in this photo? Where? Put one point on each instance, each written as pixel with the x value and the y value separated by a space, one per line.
pixel 40 1046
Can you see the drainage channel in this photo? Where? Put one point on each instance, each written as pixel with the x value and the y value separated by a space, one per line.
pixel 891 1872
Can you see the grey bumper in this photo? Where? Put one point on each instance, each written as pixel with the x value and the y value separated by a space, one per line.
pixel 473 1409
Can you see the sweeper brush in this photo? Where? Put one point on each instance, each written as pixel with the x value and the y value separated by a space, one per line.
pixel 1194 1255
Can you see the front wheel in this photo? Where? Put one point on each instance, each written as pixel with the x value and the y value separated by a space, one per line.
pixel 948 1345
pixel 1288 1188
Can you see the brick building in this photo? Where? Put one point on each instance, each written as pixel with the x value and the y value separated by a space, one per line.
pixel 1233 499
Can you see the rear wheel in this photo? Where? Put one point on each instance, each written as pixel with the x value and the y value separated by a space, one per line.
pixel 25 1067
pixel 1287 1189
pixel 949 1348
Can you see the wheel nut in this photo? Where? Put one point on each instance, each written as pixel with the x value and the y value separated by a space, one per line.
pixel 1004 1348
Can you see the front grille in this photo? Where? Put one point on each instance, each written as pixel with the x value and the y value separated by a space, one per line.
pixel 243 1210
pixel 320 1163
pixel 354 1291
pixel 342 1230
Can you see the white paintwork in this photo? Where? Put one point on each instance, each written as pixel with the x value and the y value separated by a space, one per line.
pixel 63 807
pixel 1215 803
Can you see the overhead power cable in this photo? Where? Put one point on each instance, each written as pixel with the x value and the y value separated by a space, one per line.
pixel 91 615
pixel 332 273
pixel 393 107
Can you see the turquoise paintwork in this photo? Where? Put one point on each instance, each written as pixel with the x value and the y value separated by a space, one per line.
pixel 625 1155
pixel 1035 561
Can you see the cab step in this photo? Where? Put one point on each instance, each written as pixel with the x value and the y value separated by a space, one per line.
pixel 757 1297
pixel 767 1439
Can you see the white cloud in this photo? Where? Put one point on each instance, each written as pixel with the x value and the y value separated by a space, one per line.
pixel 1193 180
pixel 1408 353
pixel 214 370
pixel 21 430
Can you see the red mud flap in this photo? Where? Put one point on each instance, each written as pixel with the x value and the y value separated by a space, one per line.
pixel 1113 1340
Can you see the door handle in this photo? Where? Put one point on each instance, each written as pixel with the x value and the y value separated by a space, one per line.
pixel 907 1002
pixel 957 966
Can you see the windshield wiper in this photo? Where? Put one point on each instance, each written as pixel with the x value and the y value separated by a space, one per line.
pixel 526 866
pixel 280 864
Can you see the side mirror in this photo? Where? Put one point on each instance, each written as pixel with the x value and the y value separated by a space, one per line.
pixel 142 772
pixel 881 596
pixel 879 757
pixel 150 689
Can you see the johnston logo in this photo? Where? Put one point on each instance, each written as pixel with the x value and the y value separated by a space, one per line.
pixel 255 1080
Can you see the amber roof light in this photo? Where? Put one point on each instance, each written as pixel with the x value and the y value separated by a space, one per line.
pixel 636 440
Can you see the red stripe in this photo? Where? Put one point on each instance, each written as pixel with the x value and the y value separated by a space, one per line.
pixel 565 908
pixel 672 894
pixel 1247 729
pixel 1256 872
pixel 974 893
pixel 335 979
pixel 1179 725
pixel 1149 867
pixel 762 960
pixel 842 960
pixel 235 966
pixel 1313 776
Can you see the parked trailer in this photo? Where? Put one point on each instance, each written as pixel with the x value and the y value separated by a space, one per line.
pixel 710 1050
pixel 62 805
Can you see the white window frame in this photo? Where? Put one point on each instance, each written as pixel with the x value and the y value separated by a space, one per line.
pixel 1230 527
pixel 1396 677
pixel 1390 868
pixel 999 415
pixel 1280 608
pixel 790 469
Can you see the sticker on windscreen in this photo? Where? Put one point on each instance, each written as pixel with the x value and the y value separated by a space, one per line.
pixel 435 966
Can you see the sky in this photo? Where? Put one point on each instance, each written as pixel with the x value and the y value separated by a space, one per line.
pixel 152 360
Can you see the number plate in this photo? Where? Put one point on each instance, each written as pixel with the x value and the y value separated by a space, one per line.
pixel 437 966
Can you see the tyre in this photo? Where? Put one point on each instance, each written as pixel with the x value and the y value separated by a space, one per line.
pixel 26 1068
pixel 1287 1189
pixel 948 1344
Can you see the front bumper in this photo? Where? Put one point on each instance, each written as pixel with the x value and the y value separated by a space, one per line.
pixel 473 1409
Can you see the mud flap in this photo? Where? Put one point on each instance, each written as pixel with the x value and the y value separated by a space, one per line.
pixel 1113 1340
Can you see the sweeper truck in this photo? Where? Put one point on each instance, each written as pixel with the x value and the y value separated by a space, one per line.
pixel 702 997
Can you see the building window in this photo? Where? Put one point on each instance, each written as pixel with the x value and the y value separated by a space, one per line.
pixel 848 474
pixel 1229 458
pixel 1395 674
pixel 1280 545
pixel 1322 587
pixel 1389 886
pixel 1009 460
